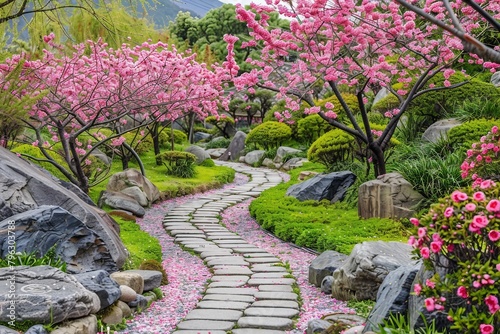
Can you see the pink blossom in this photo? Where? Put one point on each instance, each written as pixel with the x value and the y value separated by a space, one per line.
pixel 425 252
pixel 493 205
pixel 494 129
pixel 430 284
pixel 429 304
pixel 494 235
pixel 486 184
pixel 448 212
pixel 492 303
pixel 329 105
pixel 480 221
pixel 417 288
pixel 462 292
pixel 476 284
pixel 458 196
pixel 470 207
pixel 479 196
pixel 486 329
pixel 422 231
pixel 436 247
pixel 414 221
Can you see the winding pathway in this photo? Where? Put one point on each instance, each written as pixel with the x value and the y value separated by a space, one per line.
pixel 251 290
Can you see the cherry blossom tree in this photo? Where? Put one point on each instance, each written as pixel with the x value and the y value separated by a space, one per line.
pixel 362 45
pixel 96 94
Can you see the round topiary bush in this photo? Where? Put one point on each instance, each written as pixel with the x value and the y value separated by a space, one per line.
pixel 312 127
pixel 140 144
pixel 464 135
pixel 334 146
pixel 269 135
pixel 165 138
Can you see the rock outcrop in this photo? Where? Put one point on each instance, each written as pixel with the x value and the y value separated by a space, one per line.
pixel 439 129
pixel 331 186
pixel 200 154
pixel 235 148
pixel 324 265
pixel 102 285
pixel 133 178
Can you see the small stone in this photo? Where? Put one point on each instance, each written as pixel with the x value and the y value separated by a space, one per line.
pixel 126 311
pixel 127 294
pixel 140 302
pixel 132 280
pixel 114 315
pixel 317 326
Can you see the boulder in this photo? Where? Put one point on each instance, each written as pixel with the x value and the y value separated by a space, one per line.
pixel 140 302
pixel 133 178
pixel 215 153
pixel 293 163
pixel 130 279
pixel 306 175
pixel 345 320
pixel 331 186
pixel 200 153
pixel 354 330
pixel 268 163
pixel 317 326
pixel 152 278
pixel 235 148
pixel 439 129
pixel 324 265
pixel 102 156
pixel 389 196
pixel 113 315
pixel 282 152
pixel 7 330
pixel 366 267
pixel 83 325
pixel 326 285
pixel 127 294
pixel 25 187
pixel 136 193
pixel 46 226
pixel 392 296
pixel 118 200
pixel 37 329
pixel 199 136
pixel 126 311
pixel 382 93
pixel 102 285
pixel 495 79
pixel 252 158
pixel 44 295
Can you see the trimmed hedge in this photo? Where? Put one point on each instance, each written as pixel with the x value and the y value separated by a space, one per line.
pixel 269 135
pixel 461 137
pixel 333 147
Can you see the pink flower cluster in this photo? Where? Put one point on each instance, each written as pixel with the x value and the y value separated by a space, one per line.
pixel 481 154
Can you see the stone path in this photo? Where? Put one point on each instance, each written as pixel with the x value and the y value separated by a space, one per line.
pixel 251 291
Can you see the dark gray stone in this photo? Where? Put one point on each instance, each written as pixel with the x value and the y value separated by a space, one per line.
pixel 326 285
pixel 331 186
pixel 121 201
pixel 25 187
pixel 200 153
pixel 41 228
pixel 45 295
pixel 199 136
pixel 152 278
pixel 324 265
pixel 495 79
pixel 282 152
pixel 392 296
pixel 102 285
pixel 37 329
pixel 366 267
pixel 235 148
pixel 317 326
pixel 254 157
pixel 140 302
pixel 6 330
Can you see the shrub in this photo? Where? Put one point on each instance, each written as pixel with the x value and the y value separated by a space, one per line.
pixel 311 128
pixel 478 108
pixel 155 265
pixel 165 138
pixel 464 135
pixel 140 144
pixel 33 259
pixel 269 135
pixel 219 143
pixel 32 151
pixel 459 238
pixel 207 163
pixel 334 146
pixel 387 103
pixel 180 164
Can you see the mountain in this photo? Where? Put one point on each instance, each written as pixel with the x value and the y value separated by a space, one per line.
pixel 164 11
pixel 200 7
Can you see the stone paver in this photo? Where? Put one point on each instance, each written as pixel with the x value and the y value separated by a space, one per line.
pixel 214 314
pixel 265 323
pixel 223 305
pixel 233 291
pixel 276 303
pixel 199 332
pixel 275 288
pixel 254 331
pixel 265 281
pixel 233 271
pixel 276 295
pixel 229 298
pixel 271 312
pixel 206 325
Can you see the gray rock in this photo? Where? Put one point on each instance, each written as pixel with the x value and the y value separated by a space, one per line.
pixel 293 163
pixel 102 285
pixel 136 193
pixel 200 153
pixel 324 265
pixel 131 279
pixel 392 296
pixel 254 157
pixel 152 278
pixel 199 136
pixel 331 186
pixel 133 178
pixel 215 153
pixel 366 267
pixel 25 187
pixel 282 152
pixel 47 226
pixel 83 325
pixel 268 163
pixel 126 311
pixel 235 148
pixel 7 330
pixel 118 200
pixel 495 79
pixel 140 302
pixel 326 285
pixel 389 196
pixel 114 315
pixel 37 329
pixel 45 294
pixel 102 156
pixel 127 294
pixel 317 326
pixel 382 93
pixel 439 129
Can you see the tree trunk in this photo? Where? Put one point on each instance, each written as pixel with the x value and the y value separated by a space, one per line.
pixel 156 143
pixel 136 156
pixel 378 160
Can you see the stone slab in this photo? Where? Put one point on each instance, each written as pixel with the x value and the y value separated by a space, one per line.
pixel 275 288
pixel 270 275
pixel 249 250
pixel 226 284
pixel 267 269
pixel 276 295
pixel 222 305
pixel 225 252
pixel 254 331
pixel 221 278
pixel 214 314
pixel 268 281
pixel 271 312
pixel 229 298
pixel 186 231
pixel 233 271
pixel 206 325
pixel 236 291
pixel 226 260
pixel 265 323
pixel 262 254
pixel 233 245
pixel 276 303
pixel 263 259
pixel 237 241
pixel 199 332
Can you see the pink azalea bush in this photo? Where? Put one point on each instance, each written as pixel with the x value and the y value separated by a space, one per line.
pixel 462 233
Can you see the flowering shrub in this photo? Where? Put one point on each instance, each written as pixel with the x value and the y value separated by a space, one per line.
pixel 462 234
pixel 483 158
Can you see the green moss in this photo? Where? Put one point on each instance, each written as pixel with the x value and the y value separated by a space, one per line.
pixel 155 265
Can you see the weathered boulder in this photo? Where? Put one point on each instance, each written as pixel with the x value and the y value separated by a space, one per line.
pixel 317 326
pixel 85 325
pixel 366 267
pixel 47 226
pixel 199 136
pixel 102 156
pixel 44 294
pixel 268 163
pixel 7 330
pixel 140 302
pixel 130 279
pixel 495 79
pixel 392 296
pixel 324 265
pixel 326 285
pixel 102 285
pixel 235 148
pixel 118 200
pixel 389 196
pixel 332 187
pixel 439 129
pixel 113 316
pixel 293 163
pixel 200 153
pixel 345 319
pixel 25 187
pixel 282 152
pixel 254 157
pixel 215 153
pixel 133 178
pixel 306 175
pixel 126 311
pixel 152 278
pixel 127 294
pixel 136 193
pixel 37 329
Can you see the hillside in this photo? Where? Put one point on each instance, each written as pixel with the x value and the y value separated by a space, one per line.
pixel 165 11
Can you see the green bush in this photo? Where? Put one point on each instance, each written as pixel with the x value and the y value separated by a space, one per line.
pixel 32 151
pixel 207 163
pixel 269 135
pixel 140 144
pixel 478 108
pixel 464 135
pixel 180 164
pixel 334 146
pixel 312 127
pixel 165 139
pixel 387 103
pixel 219 143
